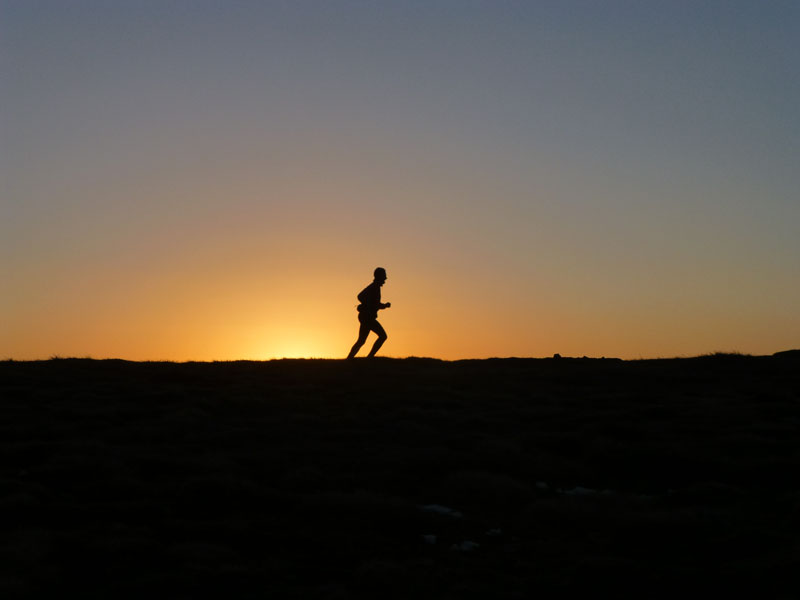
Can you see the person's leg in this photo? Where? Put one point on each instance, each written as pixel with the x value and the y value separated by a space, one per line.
pixel 363 332
pixel 377 328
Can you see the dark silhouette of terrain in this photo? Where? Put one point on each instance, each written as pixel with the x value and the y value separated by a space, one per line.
pixel 507 478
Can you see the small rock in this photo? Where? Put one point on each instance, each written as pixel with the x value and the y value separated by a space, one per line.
pixel 494 532
pixel 582 491
pixel 465 546
pixel 441 510
pixel 429 538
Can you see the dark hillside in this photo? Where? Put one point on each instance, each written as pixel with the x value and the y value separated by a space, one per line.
pixel 400 478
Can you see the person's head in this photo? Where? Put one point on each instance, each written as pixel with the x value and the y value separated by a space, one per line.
pixel 380 275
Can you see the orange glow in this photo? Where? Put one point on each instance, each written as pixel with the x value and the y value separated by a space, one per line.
pixel 219 183
pixel 180 313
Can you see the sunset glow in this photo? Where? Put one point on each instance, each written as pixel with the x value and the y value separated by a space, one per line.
pixel 199 181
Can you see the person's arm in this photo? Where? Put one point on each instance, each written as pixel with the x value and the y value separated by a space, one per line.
pixel 378 304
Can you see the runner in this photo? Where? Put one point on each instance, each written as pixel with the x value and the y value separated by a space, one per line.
pixel 370 304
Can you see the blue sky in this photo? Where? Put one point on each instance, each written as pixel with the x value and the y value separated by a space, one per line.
pixel 614 178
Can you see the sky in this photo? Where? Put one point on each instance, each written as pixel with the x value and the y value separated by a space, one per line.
pixel 217 180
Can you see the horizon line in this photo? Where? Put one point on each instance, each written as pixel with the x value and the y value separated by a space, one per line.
pixel 716 354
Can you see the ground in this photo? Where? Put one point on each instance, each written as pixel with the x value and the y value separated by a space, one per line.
pixel 392 478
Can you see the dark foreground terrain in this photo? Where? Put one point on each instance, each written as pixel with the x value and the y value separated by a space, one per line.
pixel 401 478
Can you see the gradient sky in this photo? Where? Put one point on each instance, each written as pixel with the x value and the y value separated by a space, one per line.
pixel 217 180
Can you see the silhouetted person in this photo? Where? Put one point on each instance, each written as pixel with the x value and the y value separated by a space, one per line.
pixel 370 299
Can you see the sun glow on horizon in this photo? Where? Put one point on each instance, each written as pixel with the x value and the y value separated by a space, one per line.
pixel 290 349
pixel 215 182
pixel 283 343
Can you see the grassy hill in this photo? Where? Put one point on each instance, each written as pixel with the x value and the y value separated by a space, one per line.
pixel 400 478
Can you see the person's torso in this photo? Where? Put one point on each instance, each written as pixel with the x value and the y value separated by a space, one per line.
pixel 370 298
